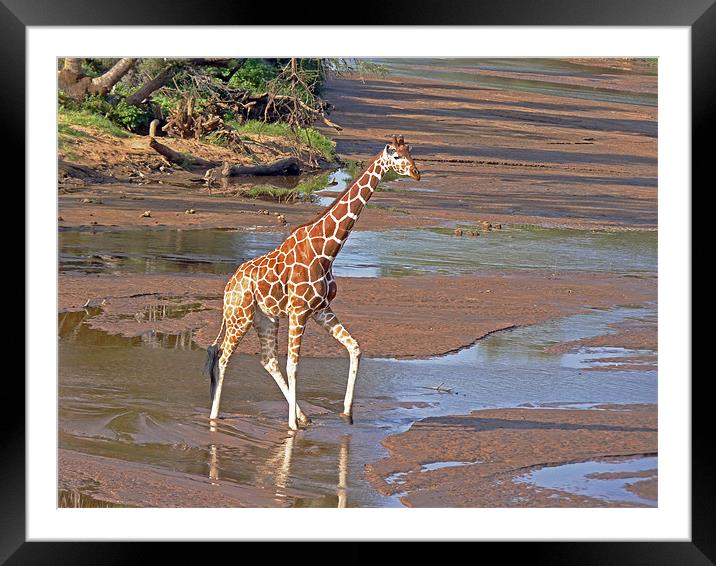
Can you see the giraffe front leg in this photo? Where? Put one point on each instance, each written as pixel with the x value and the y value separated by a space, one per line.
pixel 296 326
pixel 329 321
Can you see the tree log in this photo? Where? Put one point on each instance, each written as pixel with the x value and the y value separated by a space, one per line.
pixel 286 166
pixel 180 158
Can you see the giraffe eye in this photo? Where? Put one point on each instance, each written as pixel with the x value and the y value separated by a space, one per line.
pixel 396 156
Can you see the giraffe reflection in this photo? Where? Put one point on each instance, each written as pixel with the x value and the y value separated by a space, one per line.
pixel 276 470
pixel 296 281
pixel 343 471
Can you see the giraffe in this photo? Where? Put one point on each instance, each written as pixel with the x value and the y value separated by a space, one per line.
pixel 295 281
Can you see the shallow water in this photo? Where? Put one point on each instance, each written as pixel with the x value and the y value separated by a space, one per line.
pixel 467 71
pixel 144 400
pixel 578 478
pixel 366 253
pixel 605 357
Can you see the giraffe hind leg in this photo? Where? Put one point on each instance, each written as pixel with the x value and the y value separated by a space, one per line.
pixel 267 330
pixel 238 317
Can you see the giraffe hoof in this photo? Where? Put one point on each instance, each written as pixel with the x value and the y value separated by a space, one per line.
pixel 348 418
pixel 303 420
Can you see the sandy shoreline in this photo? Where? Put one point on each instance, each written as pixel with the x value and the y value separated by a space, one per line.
pixel 130 484
pixel 500 445
pixel 390 317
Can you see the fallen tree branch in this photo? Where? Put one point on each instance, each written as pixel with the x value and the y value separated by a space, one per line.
pixel 286 166
pixel 185 160
pixel 439 388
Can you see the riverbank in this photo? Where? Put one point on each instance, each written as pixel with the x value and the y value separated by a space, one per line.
pixel 488 455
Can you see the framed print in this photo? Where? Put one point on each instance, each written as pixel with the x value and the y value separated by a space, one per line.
pixel 424 280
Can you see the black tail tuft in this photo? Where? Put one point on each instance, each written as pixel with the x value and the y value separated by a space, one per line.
pixel 211 368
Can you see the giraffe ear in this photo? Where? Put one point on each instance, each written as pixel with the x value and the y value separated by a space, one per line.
pixel 389 149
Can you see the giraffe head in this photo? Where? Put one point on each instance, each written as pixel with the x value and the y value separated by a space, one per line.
pixel 397 156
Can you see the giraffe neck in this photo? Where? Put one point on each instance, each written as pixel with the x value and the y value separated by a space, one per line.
pixel 337 222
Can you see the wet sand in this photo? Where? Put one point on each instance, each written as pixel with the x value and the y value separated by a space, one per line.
pixel 507 156
pixel 636 336
pixel 631 346
pixel 501 445
pixel 390 317
pixel 120 207
pixel 129 484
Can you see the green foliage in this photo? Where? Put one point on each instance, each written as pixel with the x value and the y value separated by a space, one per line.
pixel 133 118
pixel 96 104
pixel 253 76
pixel 269 192
pixel 166 102
pixel 65 139
pixel 325 146
pixel 127 116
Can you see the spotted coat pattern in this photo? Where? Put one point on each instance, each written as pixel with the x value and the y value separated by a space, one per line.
pixel 295 281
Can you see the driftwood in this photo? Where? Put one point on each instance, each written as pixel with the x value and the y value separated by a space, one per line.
pixel 286 166
pixel 439 388
pixel 179 158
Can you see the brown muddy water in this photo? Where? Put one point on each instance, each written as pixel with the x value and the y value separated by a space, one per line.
pixel 366 253
pixel 144 400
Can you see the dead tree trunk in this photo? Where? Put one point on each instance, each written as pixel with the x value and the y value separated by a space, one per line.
pixel 149 87
pixel 286 166
pixel 75 85
pixel 102 84
pixel 186 161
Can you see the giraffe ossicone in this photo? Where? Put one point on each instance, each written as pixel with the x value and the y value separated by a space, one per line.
pixel 295 281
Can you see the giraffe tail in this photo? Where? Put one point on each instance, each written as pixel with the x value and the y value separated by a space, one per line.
pixel 211 368
pixel 211 365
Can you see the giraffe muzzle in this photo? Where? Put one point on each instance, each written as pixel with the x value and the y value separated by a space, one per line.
pixel 414 173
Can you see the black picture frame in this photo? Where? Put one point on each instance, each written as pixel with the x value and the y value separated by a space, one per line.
pixel 699 15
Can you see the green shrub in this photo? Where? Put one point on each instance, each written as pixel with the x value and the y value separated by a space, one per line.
pixel 253 76
pixel 165 102
pixel 127 116
pixel 133 118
